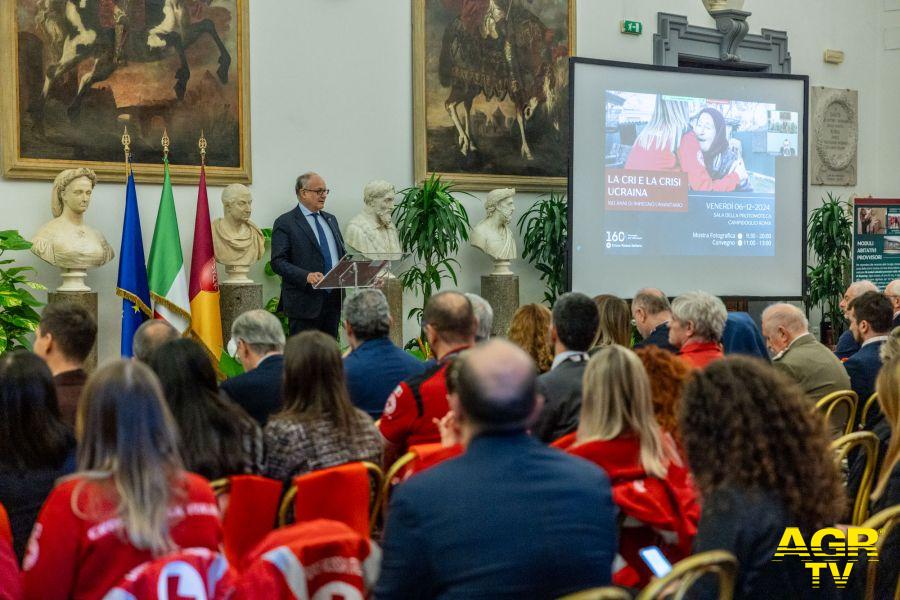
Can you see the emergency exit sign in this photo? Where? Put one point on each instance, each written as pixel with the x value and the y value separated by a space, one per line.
pixel 631 27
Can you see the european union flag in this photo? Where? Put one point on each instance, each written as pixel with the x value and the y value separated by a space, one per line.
pixel 132 285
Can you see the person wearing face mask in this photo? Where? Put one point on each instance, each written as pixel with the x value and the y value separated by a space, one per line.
pixel 372 232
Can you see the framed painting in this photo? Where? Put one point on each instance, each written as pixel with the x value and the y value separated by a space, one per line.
pixel 75 73
pixel 490 91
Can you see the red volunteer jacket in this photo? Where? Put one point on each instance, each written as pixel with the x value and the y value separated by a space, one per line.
pixel 10 586
pixel 191 573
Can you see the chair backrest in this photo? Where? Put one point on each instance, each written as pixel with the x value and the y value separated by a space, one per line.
pixel 249 507
pixel 685 574
pixel 417 459
pixel 828 405
pixel 314 559
pixel 867 442
pixel 886 523
pixel 600 593
pixel 347 493
pixel 196 573
pixel 866 408
pixel 5 529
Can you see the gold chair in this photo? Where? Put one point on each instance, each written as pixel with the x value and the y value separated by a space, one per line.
pixel 885 522
pixel 220 486
pixel 600 593
pixel 387 484
pixel 866 407
pixel 868 443
pixel 685 574
pixel 829 403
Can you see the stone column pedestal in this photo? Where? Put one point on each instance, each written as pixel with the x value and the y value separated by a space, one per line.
pixel 236 299
pixel 393 291
pixel 502 293
pixel 87 300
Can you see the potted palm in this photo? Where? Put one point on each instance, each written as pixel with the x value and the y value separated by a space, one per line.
pixel 829 240
pixel 544 228
pixel 17 315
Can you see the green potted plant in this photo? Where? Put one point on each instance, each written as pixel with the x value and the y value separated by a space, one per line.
pixel 544 230
pixel 431 224
pixel 17 315
pixel 829 240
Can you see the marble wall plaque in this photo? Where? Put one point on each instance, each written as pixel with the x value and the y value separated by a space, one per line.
pixel 834 136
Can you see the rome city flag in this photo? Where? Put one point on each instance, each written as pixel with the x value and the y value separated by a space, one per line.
pixel 165 269
pixel 206 323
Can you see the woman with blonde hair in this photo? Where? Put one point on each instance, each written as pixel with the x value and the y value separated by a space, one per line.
pixel 618 432
pixel 529 329
pixel 615 322
pixel 130 500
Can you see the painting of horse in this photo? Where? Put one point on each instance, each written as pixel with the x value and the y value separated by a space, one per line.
pixel 76 73
pixel 490 82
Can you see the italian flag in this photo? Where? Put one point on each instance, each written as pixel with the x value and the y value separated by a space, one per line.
pixel 165 269
pixel 206 322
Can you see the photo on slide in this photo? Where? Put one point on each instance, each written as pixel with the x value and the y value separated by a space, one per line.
pixel 783 133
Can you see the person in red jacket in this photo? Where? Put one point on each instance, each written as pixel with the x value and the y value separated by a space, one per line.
pixel 650 484
pixel 130 500
pixel 10 585
pixel 696 327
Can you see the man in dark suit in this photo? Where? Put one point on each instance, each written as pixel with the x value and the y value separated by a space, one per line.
pixel 510 518
pixel 870 321
pixel 306 244
pixel 652 312
pixel 847 345
pixel 259 340
pixel 892 292
pixel 573 328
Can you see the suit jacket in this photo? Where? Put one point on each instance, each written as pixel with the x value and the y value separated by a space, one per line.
pixel 258 391
pixel 561 389
pixel 846 346
pixel 863 369
pixel 510 518
pixel 812 365
pixel 658 337
pixel 296 254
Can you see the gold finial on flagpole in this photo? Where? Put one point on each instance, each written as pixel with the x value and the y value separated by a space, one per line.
pixel 165 143
pixel 126 142
pixel 202 145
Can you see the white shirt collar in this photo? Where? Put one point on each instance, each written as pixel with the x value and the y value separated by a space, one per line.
pixel 877 338
pixel 306 212
pixel 566 355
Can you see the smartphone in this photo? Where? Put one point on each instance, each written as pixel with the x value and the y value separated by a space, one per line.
pixel 656 560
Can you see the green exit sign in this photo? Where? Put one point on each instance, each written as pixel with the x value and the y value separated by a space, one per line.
pixel 631 27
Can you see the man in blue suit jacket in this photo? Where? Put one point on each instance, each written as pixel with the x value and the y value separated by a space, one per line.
pixel 306 244
pixel 870 321
pixel 510 518
pixel 847 345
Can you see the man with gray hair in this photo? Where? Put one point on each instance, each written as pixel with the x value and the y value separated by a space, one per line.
pixel 519 502
pixel 698 320
pixel 375 366
pixel 485 315
pixel 652 312
pixel 150 336
pixel 798 354
pixel 892 292
pixel 847 345
pixel 258 338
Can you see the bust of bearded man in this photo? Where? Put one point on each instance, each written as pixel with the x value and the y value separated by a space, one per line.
pixel 372 232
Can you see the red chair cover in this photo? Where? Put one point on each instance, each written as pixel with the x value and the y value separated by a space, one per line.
pixel 250 515
pixel 5 529
pixel 10 581
pixel 565 441
pixel 340 493
pixel 196 573
pixel 313 559
pixel 428 455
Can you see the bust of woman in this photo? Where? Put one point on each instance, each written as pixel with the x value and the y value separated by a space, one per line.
pixel 66 241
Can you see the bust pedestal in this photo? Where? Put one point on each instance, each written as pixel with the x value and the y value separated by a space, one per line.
pixel 393 291
pixel 87 300
pixel 236 299
pixel 237 274
pixel 502 293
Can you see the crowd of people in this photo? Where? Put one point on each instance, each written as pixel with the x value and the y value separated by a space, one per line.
pixel 586 434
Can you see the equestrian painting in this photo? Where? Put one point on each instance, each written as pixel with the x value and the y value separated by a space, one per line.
pixel 81 71
pixel 491 83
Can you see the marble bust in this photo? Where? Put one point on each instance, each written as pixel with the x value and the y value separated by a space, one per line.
pixel 66 241
pixel 238 243
pixel 493 235
pixel 372 232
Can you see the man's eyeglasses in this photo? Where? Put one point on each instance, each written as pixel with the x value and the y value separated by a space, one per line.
pixel 321 193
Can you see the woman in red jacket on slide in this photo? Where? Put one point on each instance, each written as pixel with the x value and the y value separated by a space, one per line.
pixel 129 502
pixel 650 484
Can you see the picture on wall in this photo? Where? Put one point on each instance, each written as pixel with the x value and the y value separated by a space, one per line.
pixel 75 73
pixel 490 90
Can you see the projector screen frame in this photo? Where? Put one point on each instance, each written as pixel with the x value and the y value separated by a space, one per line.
pixel 804 79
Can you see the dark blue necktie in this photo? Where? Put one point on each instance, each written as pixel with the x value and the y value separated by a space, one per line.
pixel 323 242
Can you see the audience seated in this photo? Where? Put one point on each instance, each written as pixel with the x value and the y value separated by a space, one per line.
pixel 668 375
pixel 259 338
pixel 847 345
pixel 618 432
pixel 411 411
pixel 217 438
pixel 510 518
pixel 484 314
pixel 375 366
pixel 529 329
pixel 572 331
pixel 615 322
pixel 10 583
pixel 742 336
pixel 892 293
pixel 652 312
pixel 131 499
pixel 698 320
pixel 798 354
pixel 64 339
pixel 150 336
pixel 36 447
pixel 317 427
pixel 761 460
pixel 870 322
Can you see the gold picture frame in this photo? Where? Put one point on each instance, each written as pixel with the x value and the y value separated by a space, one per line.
pixel 431 155
pixel 218 109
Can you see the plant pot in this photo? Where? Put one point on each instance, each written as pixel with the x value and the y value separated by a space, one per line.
pixel 717 5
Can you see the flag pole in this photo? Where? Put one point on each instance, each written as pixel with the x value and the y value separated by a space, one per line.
pixel 202 145
pixel 165 144
pixel 126 142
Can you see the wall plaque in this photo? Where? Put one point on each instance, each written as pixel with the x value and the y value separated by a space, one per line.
pixel 835 136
